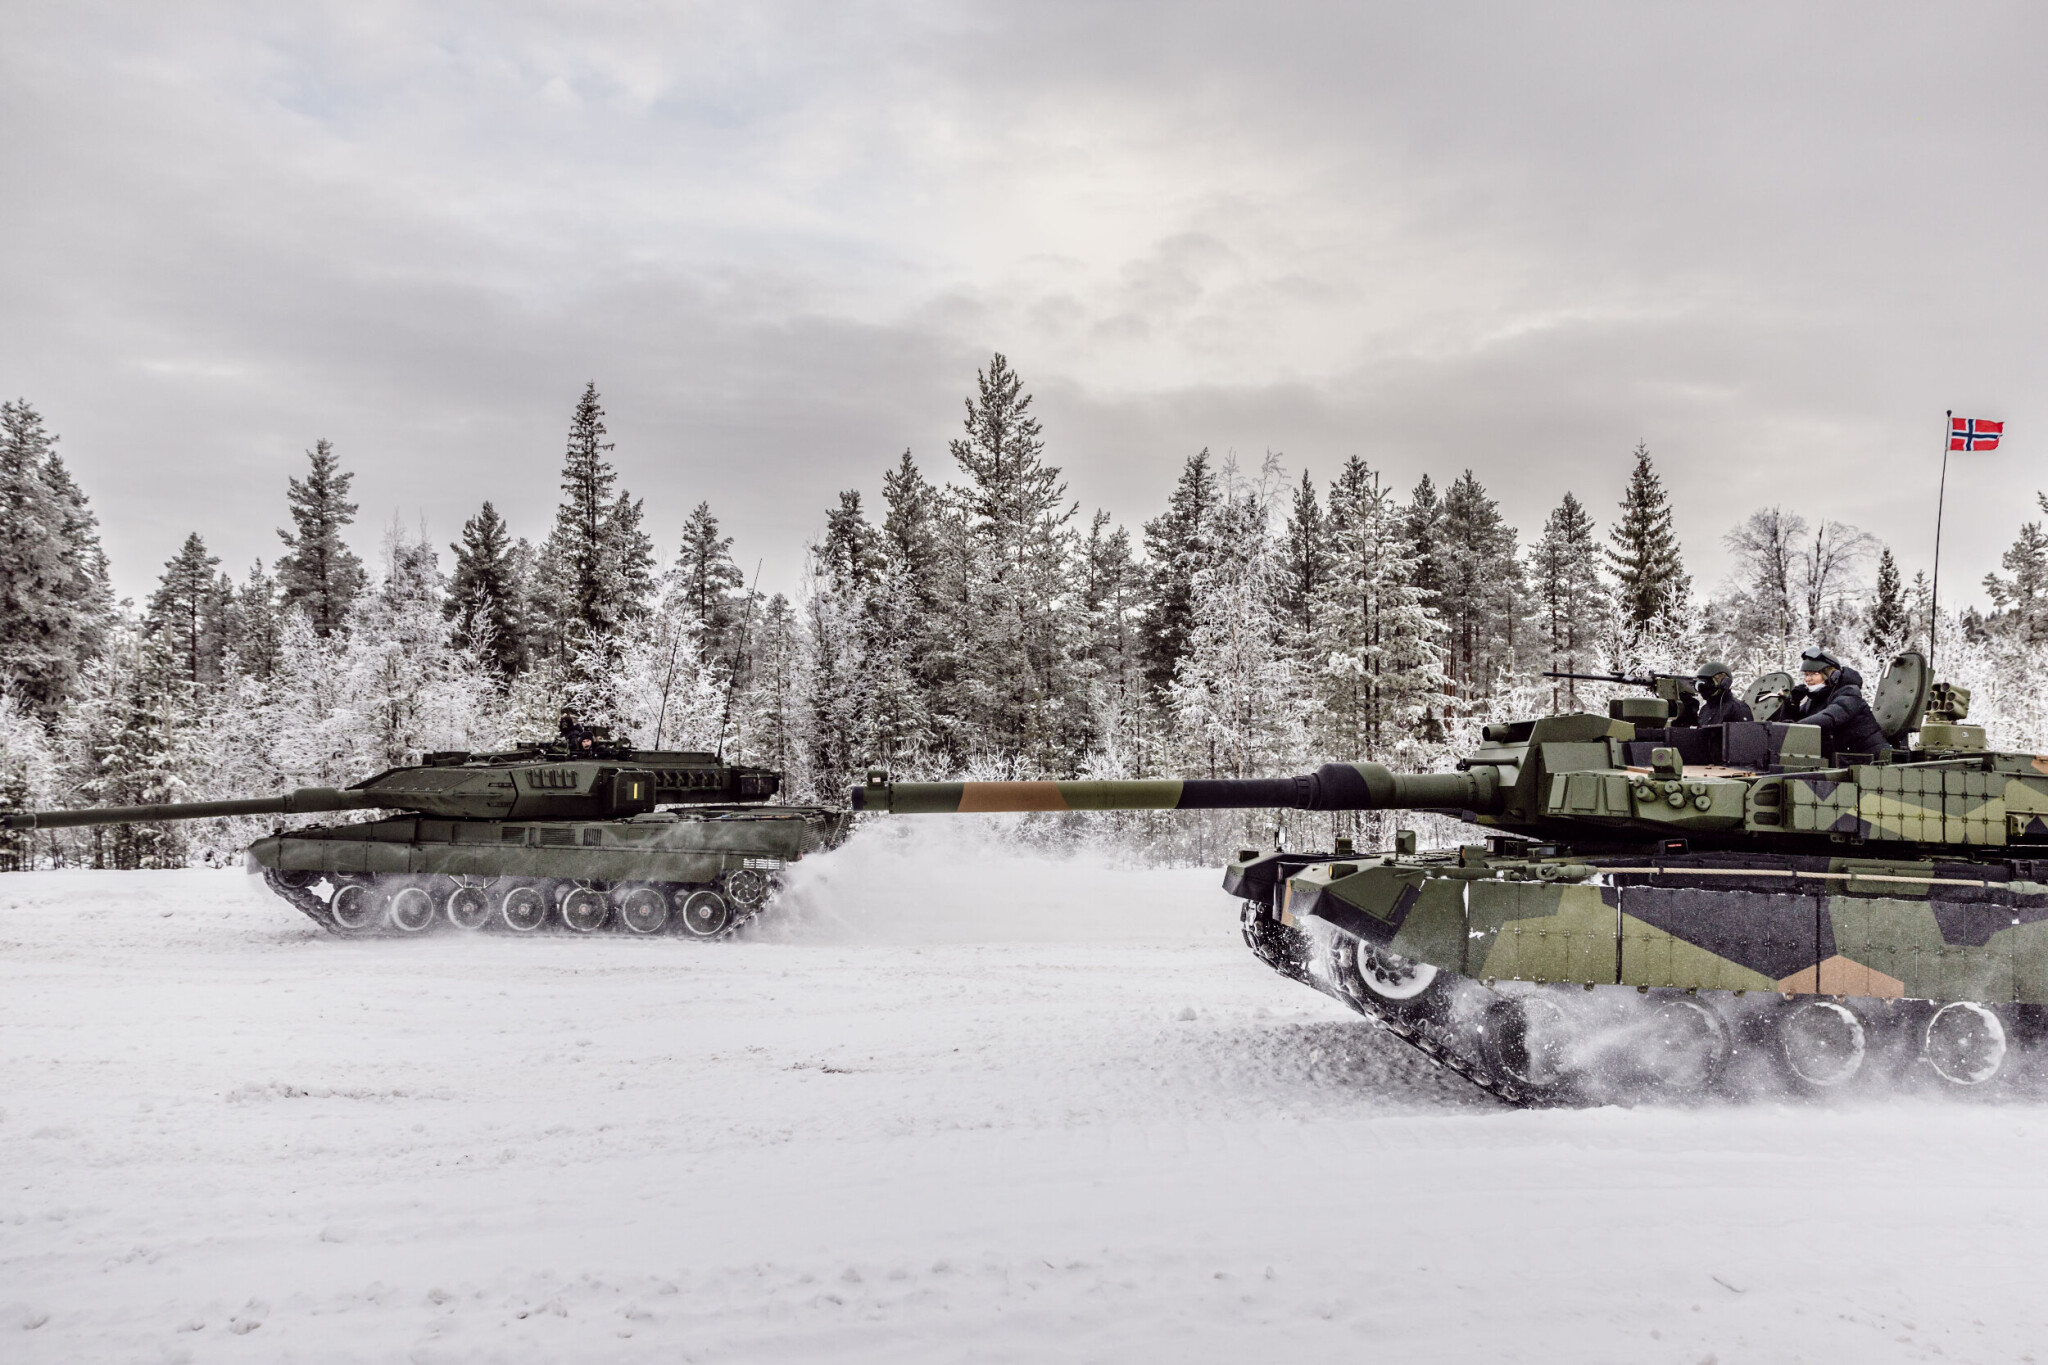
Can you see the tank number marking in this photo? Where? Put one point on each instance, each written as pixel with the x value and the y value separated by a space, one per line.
pixel 555 779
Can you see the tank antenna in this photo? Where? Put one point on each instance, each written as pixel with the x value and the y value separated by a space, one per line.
pixel 732 674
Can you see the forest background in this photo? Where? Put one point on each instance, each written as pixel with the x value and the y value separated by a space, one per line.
pixel 973 624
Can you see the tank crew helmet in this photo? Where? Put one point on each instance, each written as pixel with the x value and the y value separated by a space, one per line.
pixel 1818 660
pixel 1714 676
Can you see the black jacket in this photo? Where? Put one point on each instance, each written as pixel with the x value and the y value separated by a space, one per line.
pixel 1846 724
pixel 1719 710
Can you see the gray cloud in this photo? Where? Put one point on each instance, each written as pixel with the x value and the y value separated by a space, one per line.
pixel 1774 244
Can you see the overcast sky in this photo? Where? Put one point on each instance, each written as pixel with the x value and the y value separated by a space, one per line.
pixel 1773 241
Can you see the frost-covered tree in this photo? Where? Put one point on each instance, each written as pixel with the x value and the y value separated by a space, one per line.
pixel 1570 596
pixel 702 584
pixel 486 594
pixel 55 603
pixel 189 611
pixel 1305 562
pixel 142 758
pixel 1113 597
pixel 1888 626
pixel 319 573
pixel 255 625
pixel 1482 593
pixel 1177 546
pixel 596 569
pixel 1380 674
pixel 2019 597
pixel 1651 585
pixel 1760 608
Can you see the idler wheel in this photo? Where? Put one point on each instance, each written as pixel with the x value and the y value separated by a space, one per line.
pixel 1821 1044
pixel 746 887
pixel 706 913
pixel 355 907
pixel 644 910
pixel 585 910
pixel 412 910
pixel 468 907
pixel 1685 1047
pixel 1386 982
pixel 1528 1039
pixel 1965 1043
pixel 524 909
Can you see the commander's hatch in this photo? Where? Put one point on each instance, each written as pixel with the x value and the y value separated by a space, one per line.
pixel 1902 697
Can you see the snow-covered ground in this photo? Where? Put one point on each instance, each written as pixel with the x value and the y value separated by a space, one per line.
pixel 956 1103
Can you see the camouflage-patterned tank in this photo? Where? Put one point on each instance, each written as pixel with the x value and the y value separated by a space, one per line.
pixel 537 838
pixel 1652 908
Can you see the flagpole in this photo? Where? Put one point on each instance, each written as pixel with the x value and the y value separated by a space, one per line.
pixel 1948 427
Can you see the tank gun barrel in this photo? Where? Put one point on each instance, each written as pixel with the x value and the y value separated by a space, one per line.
pixel 1334 786
pixel 303 801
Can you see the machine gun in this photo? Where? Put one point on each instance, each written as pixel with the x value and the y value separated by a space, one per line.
pixel 1680 690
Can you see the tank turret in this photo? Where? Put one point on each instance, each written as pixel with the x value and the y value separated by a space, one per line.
pixel 1648 905
pixel 594 836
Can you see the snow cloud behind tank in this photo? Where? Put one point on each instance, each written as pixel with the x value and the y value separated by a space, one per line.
pixel 781 238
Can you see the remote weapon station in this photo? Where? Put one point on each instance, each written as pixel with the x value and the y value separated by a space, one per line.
pixel 601 836
pixel 1651 906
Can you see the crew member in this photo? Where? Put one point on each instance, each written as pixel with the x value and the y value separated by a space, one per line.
pixel 580 738
pixel 1718 703
pixel 1832 698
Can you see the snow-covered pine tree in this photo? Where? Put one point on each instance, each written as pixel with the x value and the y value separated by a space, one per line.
pixel 319 573
pixel 911 645
pixel 189 611
pixel 1643 551
pixel 254 625
pixel 596 568
pixel 143 761
pixel 56 606
pixel 843 566
pixel 486 597
pixel 28 778
pixel 1422 531
pixel 769 719
pixel 1305 562
pixel 1113 596
pixel 1177 547
pixel 1758 616
pixel 1018 690
pixel 1570 596
pixel 1481 605
pixel 1888 626
pixel 701 586
pixel 2019 598
pixel 1380 674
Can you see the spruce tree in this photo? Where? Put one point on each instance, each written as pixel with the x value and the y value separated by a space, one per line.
pixel 2019 599
pixel 55 602
pixel 1652 586
pixel 1480 582
pixel 1178 547
pixel 1305 560
pixel 1890 622
pixel 1571 598
pixel 598 562
pixel 188 611
pixel 485 598
pixel 702 584
pixel 319 573
pixel 1422 527
pixel 254 629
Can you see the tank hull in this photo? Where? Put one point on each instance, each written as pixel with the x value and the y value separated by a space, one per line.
pixel 1560 979
pixel 698 873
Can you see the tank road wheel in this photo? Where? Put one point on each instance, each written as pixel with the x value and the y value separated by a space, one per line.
pixel 356 906
pixel 1685 1047
pixel 585 910
pixel 524 909
pixel 1386 983
pixel 644 910
pixel 746 887
pixel 412 910
pixel 706 913
pixel 1528 1039
pixel 1965 1043
pixel 467 907
pixel 1821 1044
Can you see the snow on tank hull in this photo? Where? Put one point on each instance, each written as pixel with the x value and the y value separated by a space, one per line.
pixel 698 873
pixel 1547 977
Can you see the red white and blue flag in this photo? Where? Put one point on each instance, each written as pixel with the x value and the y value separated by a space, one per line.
pixel 1973 433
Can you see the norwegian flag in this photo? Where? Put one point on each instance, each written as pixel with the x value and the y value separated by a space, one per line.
pixel 1973 433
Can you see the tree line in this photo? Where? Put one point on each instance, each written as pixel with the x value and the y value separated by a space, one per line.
pixel 972 622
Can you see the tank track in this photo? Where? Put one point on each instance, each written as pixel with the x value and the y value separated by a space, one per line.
pixel 1611 1040
pixel 1299 957
pixel 308 899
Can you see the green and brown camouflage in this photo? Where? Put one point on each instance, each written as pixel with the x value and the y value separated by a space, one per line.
pixel 1870 896
pixel 640 840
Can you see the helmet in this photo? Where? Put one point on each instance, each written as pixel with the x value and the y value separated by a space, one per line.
pixel 1713 668
pixel 1818 660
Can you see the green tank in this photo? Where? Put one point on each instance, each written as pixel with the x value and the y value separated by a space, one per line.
pixel 1651 908
pixel 604 837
